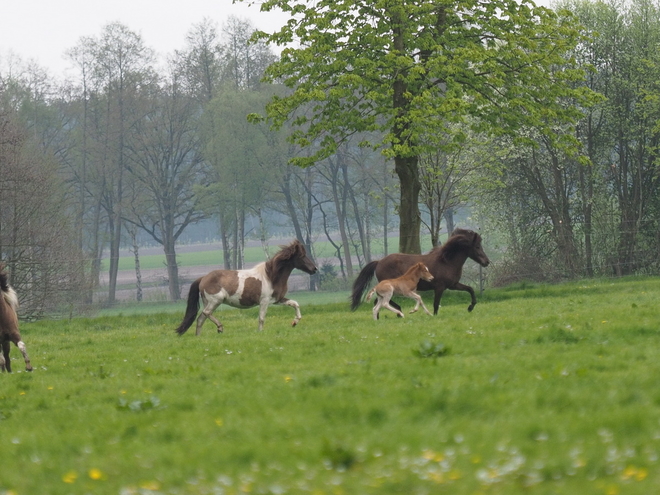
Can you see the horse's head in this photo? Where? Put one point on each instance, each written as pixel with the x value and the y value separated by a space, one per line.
pixel 300 259
pixel 476 251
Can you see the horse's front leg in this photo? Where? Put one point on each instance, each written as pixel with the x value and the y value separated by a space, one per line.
pixel 263 309
pixel 436 300
pixel 470 290
pixel 419 302
pixel 294 305
pixel 23 349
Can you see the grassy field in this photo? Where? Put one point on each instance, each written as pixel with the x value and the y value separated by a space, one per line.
pixel 540 390
pixel 323 249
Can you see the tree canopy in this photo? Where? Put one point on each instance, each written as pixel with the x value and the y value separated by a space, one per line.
pixel 406 70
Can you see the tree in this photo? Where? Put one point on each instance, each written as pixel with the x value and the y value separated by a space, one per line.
pixel 241 177
pixel 413 68
pixel 165 158
pixel 200 62
pixel 121 69
pixel 35 238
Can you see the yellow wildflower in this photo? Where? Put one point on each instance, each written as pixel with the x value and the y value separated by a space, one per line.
pixel 150 485
pixel 96 474
pixel 70 477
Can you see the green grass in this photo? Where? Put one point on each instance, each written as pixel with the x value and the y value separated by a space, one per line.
pixel 541 389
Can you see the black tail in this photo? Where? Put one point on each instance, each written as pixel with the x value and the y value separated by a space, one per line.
pixel 361 283
pixel 191 308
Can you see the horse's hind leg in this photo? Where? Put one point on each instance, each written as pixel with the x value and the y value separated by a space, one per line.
pixel 396 306
pixel 393 309
pixel 5 363
pixel 377 306
pixel 4 358
pixel 210 306
pixel 294 305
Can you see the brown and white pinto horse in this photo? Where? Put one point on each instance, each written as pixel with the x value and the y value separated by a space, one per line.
pixel 9 324
pixel 401 286
pixel 263 285
pixel 444 262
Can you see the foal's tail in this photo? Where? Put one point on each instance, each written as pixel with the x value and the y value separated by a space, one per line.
pixel 361 283
pixel 191 308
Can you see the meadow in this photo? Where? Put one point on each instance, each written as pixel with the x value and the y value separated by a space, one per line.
pixel 540 390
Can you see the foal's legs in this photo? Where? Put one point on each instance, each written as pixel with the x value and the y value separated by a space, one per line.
pixel 294 305
pixel 384 302
pixel 418 299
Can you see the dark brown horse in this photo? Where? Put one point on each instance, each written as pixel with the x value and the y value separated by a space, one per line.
pixel 261 286
pixel 444 262
pixel 9 324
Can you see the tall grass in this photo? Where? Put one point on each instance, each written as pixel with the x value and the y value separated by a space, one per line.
pixel 539 390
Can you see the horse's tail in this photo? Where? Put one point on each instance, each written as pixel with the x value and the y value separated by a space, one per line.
pixel 361 283
pixel 191 308
pixel 371 293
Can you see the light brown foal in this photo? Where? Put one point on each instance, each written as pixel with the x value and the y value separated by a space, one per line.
pixel 404 285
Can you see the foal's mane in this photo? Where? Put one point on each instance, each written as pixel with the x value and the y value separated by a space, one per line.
pixel 283 258
pixel 460 240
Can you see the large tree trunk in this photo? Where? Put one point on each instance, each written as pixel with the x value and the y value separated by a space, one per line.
pixel 115 240
pixel 410 222
pixel 339 200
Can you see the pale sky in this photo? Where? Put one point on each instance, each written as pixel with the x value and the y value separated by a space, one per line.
pixel 42 30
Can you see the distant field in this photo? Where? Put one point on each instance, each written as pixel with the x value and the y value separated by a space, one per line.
pixel 540 390
pixel 252 255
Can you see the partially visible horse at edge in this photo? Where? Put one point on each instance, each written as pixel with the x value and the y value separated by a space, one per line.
pixel 444 262
pixel 9 324
pixel 262 285
pixel 401 286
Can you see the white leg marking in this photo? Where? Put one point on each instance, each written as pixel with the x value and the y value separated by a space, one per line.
pixel 296 306
pixel 263 309
pixel 23 349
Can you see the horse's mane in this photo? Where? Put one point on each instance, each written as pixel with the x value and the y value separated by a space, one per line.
pixel 459 240
pixel 7 292
pixel 4 283
pixel 287 252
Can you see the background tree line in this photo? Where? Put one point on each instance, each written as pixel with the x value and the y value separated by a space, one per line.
pixel 133 147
